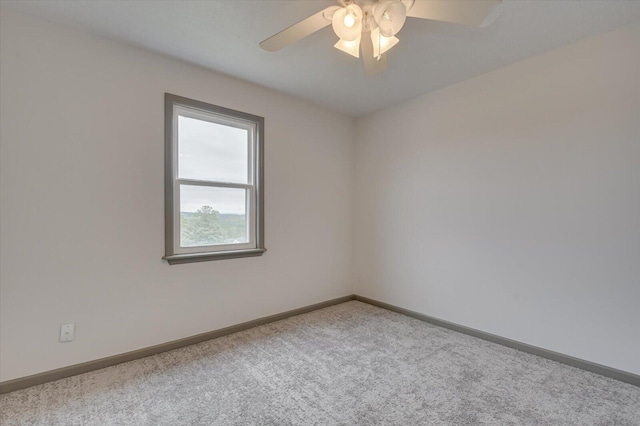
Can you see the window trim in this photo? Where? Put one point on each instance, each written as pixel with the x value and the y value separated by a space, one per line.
pixel 256 154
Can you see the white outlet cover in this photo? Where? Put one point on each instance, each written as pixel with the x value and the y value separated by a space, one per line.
pixel 67 332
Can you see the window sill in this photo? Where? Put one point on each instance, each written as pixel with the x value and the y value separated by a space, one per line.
pixel 219 255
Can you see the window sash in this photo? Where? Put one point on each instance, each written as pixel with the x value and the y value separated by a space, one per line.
pixel 250 204
pixel 249 126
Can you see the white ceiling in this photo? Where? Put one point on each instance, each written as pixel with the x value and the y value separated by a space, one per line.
pixel 223 35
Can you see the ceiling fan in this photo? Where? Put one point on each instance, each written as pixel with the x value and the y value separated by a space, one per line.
pixel 369 27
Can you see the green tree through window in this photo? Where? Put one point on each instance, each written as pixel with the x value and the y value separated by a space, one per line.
pixel 207 226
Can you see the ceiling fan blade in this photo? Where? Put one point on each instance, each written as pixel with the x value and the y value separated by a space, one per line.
pixel 372 65
pixel 478 13
pixel 299 30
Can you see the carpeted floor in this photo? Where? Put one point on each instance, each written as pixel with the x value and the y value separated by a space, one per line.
pixel 350 364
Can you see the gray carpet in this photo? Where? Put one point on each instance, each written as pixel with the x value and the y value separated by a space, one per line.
pixel 350 364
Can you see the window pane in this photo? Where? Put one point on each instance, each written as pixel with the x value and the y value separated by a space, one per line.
pixel 209 151
pixel 210 216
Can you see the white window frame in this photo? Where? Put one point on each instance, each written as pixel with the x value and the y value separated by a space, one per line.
pixel 176 106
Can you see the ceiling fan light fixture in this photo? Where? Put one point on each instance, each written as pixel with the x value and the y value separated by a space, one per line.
pixel 350 47
pixel 347 22
pixel 390 16
pixel 366 29
pixel 382 44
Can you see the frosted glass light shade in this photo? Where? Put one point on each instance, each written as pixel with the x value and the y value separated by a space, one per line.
pixel 382 44
pixel 390 16
pixel 350 47
pixel 347 22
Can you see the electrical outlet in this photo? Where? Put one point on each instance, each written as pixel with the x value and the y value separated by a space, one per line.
pixel 67 332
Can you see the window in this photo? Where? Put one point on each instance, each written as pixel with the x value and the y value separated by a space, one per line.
pixel 214 207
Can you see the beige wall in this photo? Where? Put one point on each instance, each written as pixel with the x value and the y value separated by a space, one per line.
pixel 82 210
pixel 507 203
pixel 511 202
